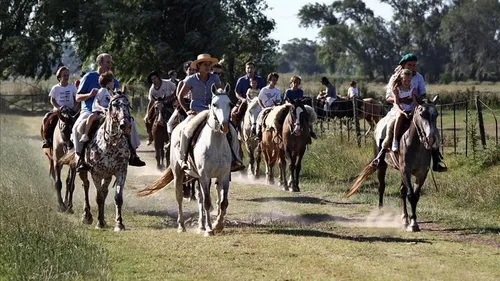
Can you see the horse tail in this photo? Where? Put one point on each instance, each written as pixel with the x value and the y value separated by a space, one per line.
pixel 67 158
pixel 367 171
pixel 52 171
pixel 158 184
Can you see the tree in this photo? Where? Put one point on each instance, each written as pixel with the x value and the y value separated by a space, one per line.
pixel 300 54
pixel 351 29
pixel 474 46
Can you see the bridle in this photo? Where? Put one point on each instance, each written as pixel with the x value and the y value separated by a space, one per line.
pixel 113 118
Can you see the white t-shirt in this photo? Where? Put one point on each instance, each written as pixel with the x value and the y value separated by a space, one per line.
pixel 102 98
pixel 405 94
pixel 268 96
pixel 64 96
pixel 352 92
pixel 166 89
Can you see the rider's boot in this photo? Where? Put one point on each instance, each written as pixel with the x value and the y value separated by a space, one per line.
pixel 82 165
pixel 380 158
pixel 134 158
pixel 236 163
pixel 183 153
pixel 436 161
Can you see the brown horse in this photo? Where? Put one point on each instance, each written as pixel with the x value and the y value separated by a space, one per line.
pixel 159 132
pixel 60 143
pixel 296 137
pixel 413 158
pixel 237 115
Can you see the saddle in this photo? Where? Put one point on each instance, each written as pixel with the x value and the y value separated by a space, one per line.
pixel 95 126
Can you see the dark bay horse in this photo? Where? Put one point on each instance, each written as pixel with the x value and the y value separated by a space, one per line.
pixel 368 108
pixel 60 144
pixel 413 158
pixel 159 132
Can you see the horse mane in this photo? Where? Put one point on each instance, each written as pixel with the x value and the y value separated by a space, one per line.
pixel 276 117
pixel 253 103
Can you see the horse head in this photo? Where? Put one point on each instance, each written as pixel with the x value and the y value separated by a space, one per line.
pixel 299 117
pixel 160 112
pixel 424 119
pixel 220 109
pixel 252 113
pixel 118 111
pixel 66 120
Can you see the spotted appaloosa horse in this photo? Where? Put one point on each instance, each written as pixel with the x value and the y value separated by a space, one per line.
pixel 108 155
pixel 159 131
pixel 413 158
pixel 60 144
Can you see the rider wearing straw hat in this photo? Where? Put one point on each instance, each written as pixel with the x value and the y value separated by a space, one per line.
pixel 200 85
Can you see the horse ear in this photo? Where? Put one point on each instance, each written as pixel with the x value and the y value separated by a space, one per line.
pixel 435 99
pixel 214 90
pixel 227 89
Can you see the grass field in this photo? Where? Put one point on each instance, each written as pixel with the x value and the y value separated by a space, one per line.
pixel 269 234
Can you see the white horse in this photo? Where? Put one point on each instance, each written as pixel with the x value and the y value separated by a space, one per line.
pixel 212 158
pixel 248 135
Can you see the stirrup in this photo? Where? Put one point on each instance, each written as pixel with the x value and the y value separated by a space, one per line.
pixel 136 161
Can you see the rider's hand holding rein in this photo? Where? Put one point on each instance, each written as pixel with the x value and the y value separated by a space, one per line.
pixel 84 97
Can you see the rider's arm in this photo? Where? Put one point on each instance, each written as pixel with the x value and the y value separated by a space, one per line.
pixel 397 102
pixel 237 90
pixel 84 97
pixel 180 97
pixel 54 103
pixel 150 102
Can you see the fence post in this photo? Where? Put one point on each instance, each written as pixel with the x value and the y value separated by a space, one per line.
pixel 466 128
pixel 454 128
pixel 341 133
pixel 442 131
pixel 481 122
pixel 356 120
pixel 32 102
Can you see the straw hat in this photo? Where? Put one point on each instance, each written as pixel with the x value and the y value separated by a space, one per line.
pixel 202 58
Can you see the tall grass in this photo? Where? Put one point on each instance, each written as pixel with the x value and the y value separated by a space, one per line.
pixel 36 242
pixel 468 193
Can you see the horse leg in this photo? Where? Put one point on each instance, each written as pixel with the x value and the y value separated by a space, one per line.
pixel 403 192
pixel 282 170
pixel 70 188
pixel 101 194
pixel 382 170
pixel 291 166
pixel 58 186
pixel 222 193
pixel 158 147
pixel 297 170
pixel 267 159
pixel 179 195
pixel 201 213
pixel 87 215
pixel 414 198
pixel 207 204
pixel 251 159
pixel 120 185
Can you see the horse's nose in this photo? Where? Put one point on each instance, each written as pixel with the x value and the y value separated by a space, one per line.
pixel 124 123
pixel 225 127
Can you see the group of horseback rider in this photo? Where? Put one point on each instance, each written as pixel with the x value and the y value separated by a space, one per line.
pixel 93 96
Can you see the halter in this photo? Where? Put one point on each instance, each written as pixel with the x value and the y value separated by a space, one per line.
pixel 108 124
pixel 420 134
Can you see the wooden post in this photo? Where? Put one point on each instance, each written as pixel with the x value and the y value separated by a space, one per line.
pixel 442 132
pixel 454 128
pixel 356 120
pixel 481 122
pixel 466 127
pixel 32 102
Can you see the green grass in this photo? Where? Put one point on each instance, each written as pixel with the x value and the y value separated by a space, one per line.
pixel 270 234
pixel 36 242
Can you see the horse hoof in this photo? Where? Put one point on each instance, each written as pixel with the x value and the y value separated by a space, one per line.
pixel 87 219
pixel 119 227
pixel 100 225
pixel 218 227
pixel 413 228
pixel 62 208
pixel 181 229
pixel 208 233
pixel 70 210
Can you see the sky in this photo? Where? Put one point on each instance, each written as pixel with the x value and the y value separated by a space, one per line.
pixel 284 12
